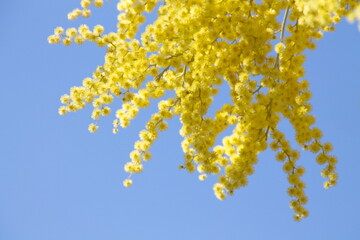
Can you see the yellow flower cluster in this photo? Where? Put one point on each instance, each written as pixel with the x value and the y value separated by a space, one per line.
pixel 190 49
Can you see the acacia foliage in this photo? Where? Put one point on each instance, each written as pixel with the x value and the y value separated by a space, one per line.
pixel 192 48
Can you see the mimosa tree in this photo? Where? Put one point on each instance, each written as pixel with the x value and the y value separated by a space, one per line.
pixel 190 49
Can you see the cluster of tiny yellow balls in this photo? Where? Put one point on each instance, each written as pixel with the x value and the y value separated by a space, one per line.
pixel 191 49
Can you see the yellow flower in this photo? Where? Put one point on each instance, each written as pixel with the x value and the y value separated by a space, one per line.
pixel 98 30
pixel 279 47
pixel 66 41
pixel 314 147
pixel 85 3
pixel 146 156
pixel 58 30
pixel 163 126
pixel 105 111
pixel 92 128
pixel 62 110
pixel 280 156
pixel 98 3
pixel 202 177
pixel 71 32
pixel 78 40
pixel 86 13
pixel 127 182
pixel 321 158
pixel 53 39
pixel 327 147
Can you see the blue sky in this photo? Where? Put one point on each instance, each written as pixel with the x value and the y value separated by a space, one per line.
pixel 57 181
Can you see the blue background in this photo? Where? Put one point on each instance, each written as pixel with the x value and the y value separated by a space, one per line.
pixel 58 181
